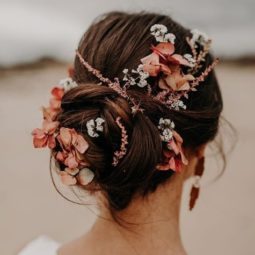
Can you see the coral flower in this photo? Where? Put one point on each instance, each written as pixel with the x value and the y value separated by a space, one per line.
pixel 55 101
pixel 45 136
pixel 176 81
pixel 160 59
pixel 73 145
pixel 69 138
pixel 163 59
pixel 174 157
pixel 67 179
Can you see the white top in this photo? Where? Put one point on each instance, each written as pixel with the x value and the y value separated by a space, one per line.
pixel 42 245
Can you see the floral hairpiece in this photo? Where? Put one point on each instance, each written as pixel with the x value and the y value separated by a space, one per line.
pixel 175 76
pixel 118 155
pixel 71 145
pixel 95 126
pixel 173 156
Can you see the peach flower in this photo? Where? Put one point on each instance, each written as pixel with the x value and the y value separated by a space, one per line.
pixel 55 101
pixel 174 157
pixel 45 136
pixel 163 60
pixel 73 145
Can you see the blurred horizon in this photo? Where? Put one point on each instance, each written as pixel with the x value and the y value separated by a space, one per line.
pixel 34 30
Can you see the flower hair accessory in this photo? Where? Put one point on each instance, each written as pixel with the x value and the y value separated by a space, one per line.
pixel 118 155
pixel 95 126
pixel 68 146
pixel 167 76
pixel 173 156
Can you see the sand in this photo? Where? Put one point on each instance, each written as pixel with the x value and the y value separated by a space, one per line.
pixel 223 221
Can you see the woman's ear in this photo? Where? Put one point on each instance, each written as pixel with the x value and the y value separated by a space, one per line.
pixel 200 152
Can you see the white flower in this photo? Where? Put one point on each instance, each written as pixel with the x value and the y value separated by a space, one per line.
pixel 99 126
pixel 72 172
pixel 191 60
pixel 85 176
pixel 125 71
pixel 132 81
pixel 95 125
pixel 199 37
pixel 170 37
pixel 68 84
pixel 181 105
pixel 142 83
pixel 167 135
pixel 159 38
pixel 178 104
pixel 158 28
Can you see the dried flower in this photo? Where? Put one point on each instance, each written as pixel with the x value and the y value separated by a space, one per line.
pixel 45 136
pixel 85 176
pixel 68 84
pixel 95 125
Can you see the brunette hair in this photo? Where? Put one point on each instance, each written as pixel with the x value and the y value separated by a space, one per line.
pixel 115 41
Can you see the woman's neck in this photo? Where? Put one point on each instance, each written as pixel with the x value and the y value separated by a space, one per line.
pixel 154 227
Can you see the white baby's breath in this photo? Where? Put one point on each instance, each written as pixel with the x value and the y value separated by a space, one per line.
pixel 166 126
pixel 95 126
pixel 170 37
pixel 199 37
pixel 68 84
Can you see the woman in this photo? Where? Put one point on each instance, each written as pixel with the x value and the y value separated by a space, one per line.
pixel 130 126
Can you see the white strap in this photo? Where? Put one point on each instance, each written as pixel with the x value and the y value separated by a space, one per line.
pixel 42 245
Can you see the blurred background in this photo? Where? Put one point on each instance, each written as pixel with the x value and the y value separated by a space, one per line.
pixel 37 43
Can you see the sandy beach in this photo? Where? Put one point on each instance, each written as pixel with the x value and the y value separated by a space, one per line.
pixel 223 221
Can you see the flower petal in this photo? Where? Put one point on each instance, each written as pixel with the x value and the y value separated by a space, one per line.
pixel 51 142
pixel 57 93
pixel 181 60
pixel 71 161
pixel 65 137
pixel 85 176
pixel 40 142
pixel 38 133
pixel 55 103
pixel 153 70
pixel 61 156
pixel 164 48
pixel 152 59
pixel 172 145
pixel 80 144
pixel 49 113
pixel 67 179
pixel 177 137
pixel 72 171
pixel 50 127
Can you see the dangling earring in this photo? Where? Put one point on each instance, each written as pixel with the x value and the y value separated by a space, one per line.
pixel 196 185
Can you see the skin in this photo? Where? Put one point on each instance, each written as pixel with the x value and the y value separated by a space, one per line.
pixel 156 231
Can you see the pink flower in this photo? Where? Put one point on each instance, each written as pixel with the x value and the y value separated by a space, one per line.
pixel 176 81
pixel 45 136
pixel 55 101
pixel 160 59
pixel 174 157
pixel 163 59
pixel 49 113
pixel 69 138
pixel 67 179
pixel 73 145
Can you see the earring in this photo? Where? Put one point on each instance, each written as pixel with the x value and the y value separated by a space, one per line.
pixel 194 194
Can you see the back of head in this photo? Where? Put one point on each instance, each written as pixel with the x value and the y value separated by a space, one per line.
pixel 118 41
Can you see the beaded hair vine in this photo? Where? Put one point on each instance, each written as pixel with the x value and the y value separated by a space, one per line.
pixel 175 77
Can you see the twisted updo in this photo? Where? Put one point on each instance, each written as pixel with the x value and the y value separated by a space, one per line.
pixel 115 41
